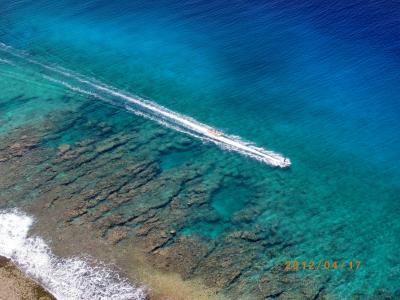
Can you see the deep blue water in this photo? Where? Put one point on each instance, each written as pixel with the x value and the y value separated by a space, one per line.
pixel 315 80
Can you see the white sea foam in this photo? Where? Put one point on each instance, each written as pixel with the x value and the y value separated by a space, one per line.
pixel 92 87
pixel 66 278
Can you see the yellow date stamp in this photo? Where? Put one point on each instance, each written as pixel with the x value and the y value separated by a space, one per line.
pixel 311 265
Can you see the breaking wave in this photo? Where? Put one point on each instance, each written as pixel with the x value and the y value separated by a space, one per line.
pixel 66 278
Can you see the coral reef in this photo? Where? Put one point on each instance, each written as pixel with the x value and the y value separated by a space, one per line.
pixel 137 189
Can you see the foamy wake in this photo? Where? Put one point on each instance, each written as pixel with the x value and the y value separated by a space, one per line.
pixel 148 109
pixel 66 278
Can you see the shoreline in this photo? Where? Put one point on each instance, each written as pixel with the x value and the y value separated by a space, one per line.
pixel 15 284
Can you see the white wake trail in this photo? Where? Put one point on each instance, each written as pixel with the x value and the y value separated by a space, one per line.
pixel 155 112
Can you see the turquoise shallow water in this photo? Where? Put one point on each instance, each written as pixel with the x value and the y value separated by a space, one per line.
pixel 316 84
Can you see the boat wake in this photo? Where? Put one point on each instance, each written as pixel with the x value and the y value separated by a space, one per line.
pixel 150 110
pixel 66 278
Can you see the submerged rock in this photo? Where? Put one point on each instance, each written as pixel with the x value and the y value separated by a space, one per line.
pixel 63 148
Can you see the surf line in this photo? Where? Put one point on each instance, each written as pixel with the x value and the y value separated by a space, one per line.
pixel 155 112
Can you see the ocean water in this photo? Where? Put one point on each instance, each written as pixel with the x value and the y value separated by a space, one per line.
pixel 314 80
